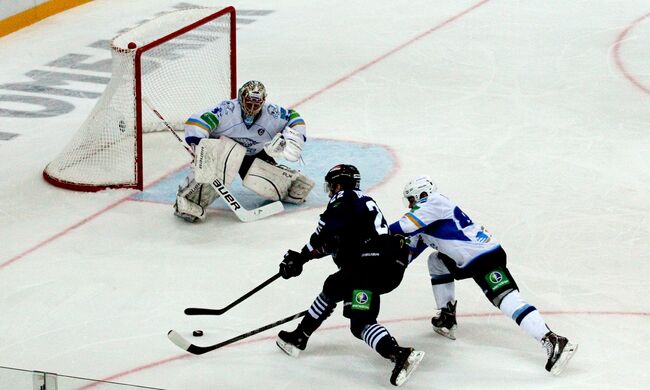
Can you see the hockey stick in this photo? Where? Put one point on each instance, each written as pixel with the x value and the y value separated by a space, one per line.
pixel 243 214
pixel 179 340
pixel 192 311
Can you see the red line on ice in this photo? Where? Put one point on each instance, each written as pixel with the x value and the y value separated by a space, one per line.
pixel 330 86
pixel 391 52
pixel 345 326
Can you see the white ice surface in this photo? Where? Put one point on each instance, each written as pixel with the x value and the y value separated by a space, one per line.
pixel 533 116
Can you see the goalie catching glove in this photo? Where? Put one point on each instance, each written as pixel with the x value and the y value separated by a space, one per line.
pixel 286 145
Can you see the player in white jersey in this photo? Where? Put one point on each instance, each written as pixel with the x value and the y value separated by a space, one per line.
pixel 244 136
pixel 465 249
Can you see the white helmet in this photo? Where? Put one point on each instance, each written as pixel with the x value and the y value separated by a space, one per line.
pixel 417 186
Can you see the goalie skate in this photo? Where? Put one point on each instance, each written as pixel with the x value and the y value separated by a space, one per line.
pixel 406 361
pixel 559 352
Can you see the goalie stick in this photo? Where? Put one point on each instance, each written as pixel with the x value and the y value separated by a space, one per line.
pixel 244 215
pixel 180 341
pixel 192 311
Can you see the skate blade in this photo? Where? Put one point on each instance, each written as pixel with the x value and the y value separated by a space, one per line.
pixel 287 348
pixel 414 360
pixel 448 333
pixel 566 355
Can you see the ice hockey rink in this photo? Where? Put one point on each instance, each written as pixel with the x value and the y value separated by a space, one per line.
pixel 532 115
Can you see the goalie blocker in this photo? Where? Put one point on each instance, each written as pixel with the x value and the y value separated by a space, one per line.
pixel 222 159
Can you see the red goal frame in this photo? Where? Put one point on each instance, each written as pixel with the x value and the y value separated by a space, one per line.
pixel 138 164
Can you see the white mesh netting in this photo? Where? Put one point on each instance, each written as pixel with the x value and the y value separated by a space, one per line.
pixel 187 72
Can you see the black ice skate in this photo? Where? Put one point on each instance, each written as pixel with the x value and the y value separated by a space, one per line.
pixel 445 323
pixel 406 361
pixel 292 342
pixel 559 351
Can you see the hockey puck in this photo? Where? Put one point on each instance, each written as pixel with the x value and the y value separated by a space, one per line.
pixel 197 333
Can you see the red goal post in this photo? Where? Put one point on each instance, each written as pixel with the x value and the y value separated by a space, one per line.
pixel 183 61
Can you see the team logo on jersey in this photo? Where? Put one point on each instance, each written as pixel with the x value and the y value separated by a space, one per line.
pixel 497 279
pixel 361 299
pixel 228 106
pixel 483 235
pixel 246 142
pixel 273 110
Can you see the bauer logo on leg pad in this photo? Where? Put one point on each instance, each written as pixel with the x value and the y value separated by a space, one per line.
pixel 497 278
pixel 361 299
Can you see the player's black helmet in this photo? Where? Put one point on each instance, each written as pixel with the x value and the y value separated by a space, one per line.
pixel 347 176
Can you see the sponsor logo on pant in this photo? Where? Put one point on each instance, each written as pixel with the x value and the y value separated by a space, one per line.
pixel 361 299
pixel 497 279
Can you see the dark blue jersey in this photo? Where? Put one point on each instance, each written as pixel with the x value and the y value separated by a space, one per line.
pixel 351 220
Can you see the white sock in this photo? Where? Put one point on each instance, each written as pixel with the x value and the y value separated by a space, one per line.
pixel 525 315
pixel 444 293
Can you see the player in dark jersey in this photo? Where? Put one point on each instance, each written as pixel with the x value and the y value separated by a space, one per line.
pixel 371 263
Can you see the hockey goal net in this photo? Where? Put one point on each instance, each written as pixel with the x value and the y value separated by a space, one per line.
pixel 182 61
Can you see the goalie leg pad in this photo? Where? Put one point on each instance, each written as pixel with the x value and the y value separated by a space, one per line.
pixel 192 199
pixel 217 159
pixel 268 181
pixel 191 212
pixel 277 182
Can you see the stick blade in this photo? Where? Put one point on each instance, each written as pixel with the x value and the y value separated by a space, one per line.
pixel 198 311
pixel 179 340
pixel 183 344
pixel 260 212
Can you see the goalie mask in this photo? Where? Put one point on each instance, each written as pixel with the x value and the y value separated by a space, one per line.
pixel 415 188
pixel 347 176
pixel 251 98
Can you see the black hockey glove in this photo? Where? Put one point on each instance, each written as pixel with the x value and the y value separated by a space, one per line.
pixel 292 264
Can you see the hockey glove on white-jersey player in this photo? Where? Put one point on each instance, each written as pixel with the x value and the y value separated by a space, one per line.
pixel 292 264
pixel 286 145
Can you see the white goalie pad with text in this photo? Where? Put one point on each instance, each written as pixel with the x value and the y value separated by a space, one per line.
pixel 217 159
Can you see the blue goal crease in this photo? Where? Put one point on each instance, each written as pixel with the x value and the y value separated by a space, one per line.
pixel 375 162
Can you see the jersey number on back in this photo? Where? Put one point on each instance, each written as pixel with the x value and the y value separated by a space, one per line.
pixel 462 218
pixel 380 222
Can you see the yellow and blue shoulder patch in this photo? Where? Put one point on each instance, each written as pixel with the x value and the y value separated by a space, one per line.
pixel 415 220
pixel 200 124
pixel 295 119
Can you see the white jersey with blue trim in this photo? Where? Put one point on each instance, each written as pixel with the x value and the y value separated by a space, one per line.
pixel 226 119
pixel 442 225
